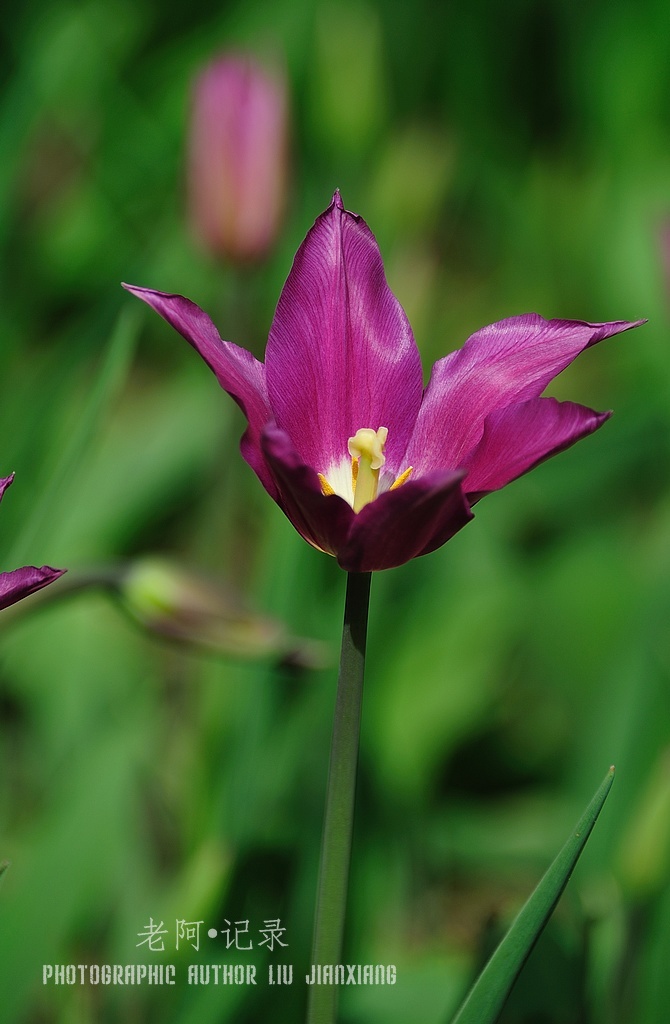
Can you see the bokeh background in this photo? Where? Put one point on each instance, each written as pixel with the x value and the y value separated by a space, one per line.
pixel 509 158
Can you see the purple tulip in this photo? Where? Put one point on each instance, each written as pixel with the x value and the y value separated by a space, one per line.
pixel 366 464
pixel 20 583
pixel 238 157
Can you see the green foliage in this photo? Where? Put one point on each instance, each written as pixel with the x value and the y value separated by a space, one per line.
pixel 508 157
pixel 491 989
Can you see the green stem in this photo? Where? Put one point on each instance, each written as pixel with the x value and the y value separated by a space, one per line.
pixel 340 797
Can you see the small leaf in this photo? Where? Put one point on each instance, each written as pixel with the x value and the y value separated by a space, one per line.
pixel 487 997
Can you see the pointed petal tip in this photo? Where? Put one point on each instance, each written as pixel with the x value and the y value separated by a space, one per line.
pixel 611 328
pixel 148 293
pixel 623 325
pixel 337 205
pixel 50 574
pixel 602 329
pixel 136 289
pixel 5 482
pixel 608 329
pixel 20 583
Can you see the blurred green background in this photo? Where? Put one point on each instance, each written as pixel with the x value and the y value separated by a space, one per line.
pixel 509 158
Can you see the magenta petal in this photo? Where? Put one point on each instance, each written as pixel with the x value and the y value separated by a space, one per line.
pixel 21 582
pixel 5 483
pixel 341 354
pixel 237 371
pixel 509 362
pixel 322 520
pixel 518 438
pixel 412 520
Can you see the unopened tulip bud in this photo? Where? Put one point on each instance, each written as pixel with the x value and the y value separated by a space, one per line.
pixel 187 607
pixel 238 157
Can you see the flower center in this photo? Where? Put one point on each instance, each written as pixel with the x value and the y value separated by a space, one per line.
pixel 366 449
pixel 367 455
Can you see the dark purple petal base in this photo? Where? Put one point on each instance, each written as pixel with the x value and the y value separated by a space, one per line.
pixel 401 524
pixel 412 520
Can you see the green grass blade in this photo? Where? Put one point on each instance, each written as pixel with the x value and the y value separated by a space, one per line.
pixel 110 379
pixel 491 989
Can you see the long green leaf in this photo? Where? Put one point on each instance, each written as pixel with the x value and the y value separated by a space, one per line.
pixel 110 379
pixel 491 989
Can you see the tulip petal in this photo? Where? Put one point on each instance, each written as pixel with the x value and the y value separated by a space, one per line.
pixel 518 438
pixel 412 520
pixel 237 371
pixel 341 354
pixel 323 520
pixel 506 363
pixel 5 483
pixel 20 583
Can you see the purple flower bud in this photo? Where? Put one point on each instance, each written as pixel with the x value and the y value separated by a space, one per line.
pixel 238 157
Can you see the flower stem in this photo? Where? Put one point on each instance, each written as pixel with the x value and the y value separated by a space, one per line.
pixel 340 798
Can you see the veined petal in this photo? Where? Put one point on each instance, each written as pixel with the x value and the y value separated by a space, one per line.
pixel 509 362
pixel 401 524
pixel 341 354
pixel 323 520
pixel 21 582
pixel 519 437
pixel 237 371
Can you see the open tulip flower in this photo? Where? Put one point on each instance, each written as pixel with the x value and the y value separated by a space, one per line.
pixel 367 464
pixel 20 583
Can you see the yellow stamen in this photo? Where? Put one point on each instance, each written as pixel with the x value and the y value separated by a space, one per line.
pixel 325 486
pixel 367 446
pixel 402 478
pixel 366 449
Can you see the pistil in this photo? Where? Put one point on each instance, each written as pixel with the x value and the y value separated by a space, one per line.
pixel 367 451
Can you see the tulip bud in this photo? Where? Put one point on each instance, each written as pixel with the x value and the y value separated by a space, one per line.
pixel 238 157
pixel 186 607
